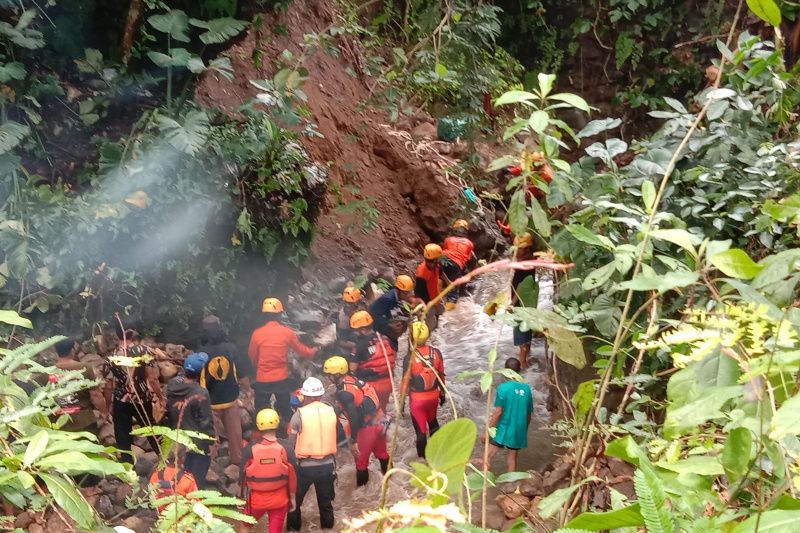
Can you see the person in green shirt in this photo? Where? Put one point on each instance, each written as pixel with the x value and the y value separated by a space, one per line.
pixel 513 406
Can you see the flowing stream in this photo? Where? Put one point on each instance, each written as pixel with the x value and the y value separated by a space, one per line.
pixel 465 336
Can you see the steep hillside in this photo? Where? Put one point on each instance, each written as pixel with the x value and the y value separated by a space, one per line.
pixel 415 202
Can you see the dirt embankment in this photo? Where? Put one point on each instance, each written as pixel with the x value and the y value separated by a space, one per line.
pixel 366 161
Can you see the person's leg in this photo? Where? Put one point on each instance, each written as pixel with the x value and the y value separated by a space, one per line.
pixel 383 388
pixel 232 421
pixel 123 424
pixel 304 481
pixel 493 449
pixel 381 451
pixel 419 419
pixel 325 487
pixel 511 460
pixel 365 440
pixel 422 438
pixel 144 415
pixel 277 519
pixel 523 339
pixel 283 405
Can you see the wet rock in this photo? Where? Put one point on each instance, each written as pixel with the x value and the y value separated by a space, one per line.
pixel 135 523
pixel 56 522
pixel 138 451
pixel 35 528
pixel 106 434
pixel 513 505
pixel 23 520
pixel 307 287
pixel 337 285
pixel 151 456
pixel 122 493
pixel 558 477
pixel 533 486
pixel 167 370
pixel 233 489
pixel 212 477
pixel 104 507
pixel 326 336
pixel 307 318
pixel 144 467
pixel 232 472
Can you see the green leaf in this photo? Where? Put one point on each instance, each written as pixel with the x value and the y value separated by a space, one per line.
pixel 766 10
pixel 11 317
pixel 538 121
pixel 517 215
pixel 586 235
pixel 486 382
pixel 572 99
pixel 599 276
pixel 662 283
pixel 702 465
pixel 736 453
pixel 179 57
pixel 510 477
pixel 441 70
pixel 72 462
pixel 681 237
pixel 70 500
pixel 514 97
pixel 567 346
pixel 648 195
pixel 35 448
pixel 582 400
pixel 219 30
pixel 652 502
pixel 598 126
pixel 626 449
pixel 174 22
pixel 553 503
pixel 12 71
pixel 736 264
pixel 189 137
pixel 706 407
pixel 449 449
pixel 600 521
pixel 776 521
pixel 540 221
pixel 11 134
pixel 786 420
pixel 546 82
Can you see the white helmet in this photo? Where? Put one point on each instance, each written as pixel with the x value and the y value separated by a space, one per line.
pixel 312 387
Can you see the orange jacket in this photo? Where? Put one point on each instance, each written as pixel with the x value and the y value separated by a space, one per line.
pixel 459 250
pixel 269 351
pixel 427 285
pixel 270 449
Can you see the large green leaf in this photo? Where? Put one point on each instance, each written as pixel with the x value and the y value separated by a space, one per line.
pixel 514 97
pixel 661 283
pixel 567 346
pixel 219 30
pixel 706 407
pixel 12 71
pixel 736 453
pixel 70 500
pixel 582 400
pixel 766 10
pixel 72 462
pixel 588 236
pixel 681 237
pixel 449 450
pixel 538 121
pixel 517 213
pixel 572 99
pixel 778 521
pixel 600 521
pixel 599 276
pixel 528 293
pixel 11 317
pixel 702 465
pixel 786 420
pixel 179 57
pixel 539 217
pixel 736 264
pixel 36 448
pixel 175 22
pixel 189 137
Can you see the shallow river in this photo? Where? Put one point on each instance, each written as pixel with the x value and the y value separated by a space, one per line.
pixel 465 336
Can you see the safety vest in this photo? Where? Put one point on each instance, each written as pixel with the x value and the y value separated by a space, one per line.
pixel 317 437
pixel 360 390
pixel 172 480
pixel 424 383
pixel 268 470
pixel 379 351
pixel 458 250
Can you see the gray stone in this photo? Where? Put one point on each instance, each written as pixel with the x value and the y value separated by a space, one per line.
pixel 143 467
pixel 104 507
pixel 337 285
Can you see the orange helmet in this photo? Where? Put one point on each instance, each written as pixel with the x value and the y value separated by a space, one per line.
pixel 432 251
pixel 461 223
pixel 271 305
pixel 352 295
pixel 360 319
pixel 404 283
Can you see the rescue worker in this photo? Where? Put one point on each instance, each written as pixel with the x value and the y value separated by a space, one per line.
pixel 225 370
pixel 359 402
pixel 373 358
pixel 428 283
pixel 353 300
pixel 524 250
pixel 189 408
pixel 425 385
pixel 390 311
pixel 131 388
pixel 172 480
pixel 268 479
pixel 458 251
pixel 269 352
pixel 313 439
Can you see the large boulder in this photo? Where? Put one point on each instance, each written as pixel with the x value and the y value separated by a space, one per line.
pixel 513 505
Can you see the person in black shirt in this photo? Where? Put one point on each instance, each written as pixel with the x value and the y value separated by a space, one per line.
pixel 225 371
pixel 525 248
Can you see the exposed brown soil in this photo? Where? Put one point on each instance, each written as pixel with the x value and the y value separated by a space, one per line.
pixel 416 202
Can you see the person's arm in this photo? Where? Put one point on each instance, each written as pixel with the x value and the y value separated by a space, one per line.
pixel 495 418
pixel 348 403
pixel 405 382
pixel 300 348
pixel 292 482
pixel 295 425
pixel 205 416
pixel 151 374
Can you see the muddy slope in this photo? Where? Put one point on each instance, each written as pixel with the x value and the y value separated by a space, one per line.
pixel 415 202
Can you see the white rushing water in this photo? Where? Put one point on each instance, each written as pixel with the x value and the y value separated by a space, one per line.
pixel 465 336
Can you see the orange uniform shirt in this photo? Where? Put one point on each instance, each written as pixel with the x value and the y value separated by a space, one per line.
pixel 269 351
pixel 431 279
pixel 459 250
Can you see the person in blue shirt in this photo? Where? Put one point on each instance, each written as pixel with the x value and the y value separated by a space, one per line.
pixel 513 406
pixel 388 312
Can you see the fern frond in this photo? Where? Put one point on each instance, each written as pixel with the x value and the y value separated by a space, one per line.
pixel 11 134
pixel 651 496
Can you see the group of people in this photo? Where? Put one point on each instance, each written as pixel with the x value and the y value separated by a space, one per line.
pixel 299 431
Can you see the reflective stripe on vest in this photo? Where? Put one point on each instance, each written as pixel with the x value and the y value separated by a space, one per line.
pixel 267 471
pixel 317 437
pixel 424 382
pixel 377 359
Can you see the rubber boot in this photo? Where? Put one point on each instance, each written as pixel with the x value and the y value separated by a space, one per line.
pixel 362 477
pixel 421 447
pixel 384 465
